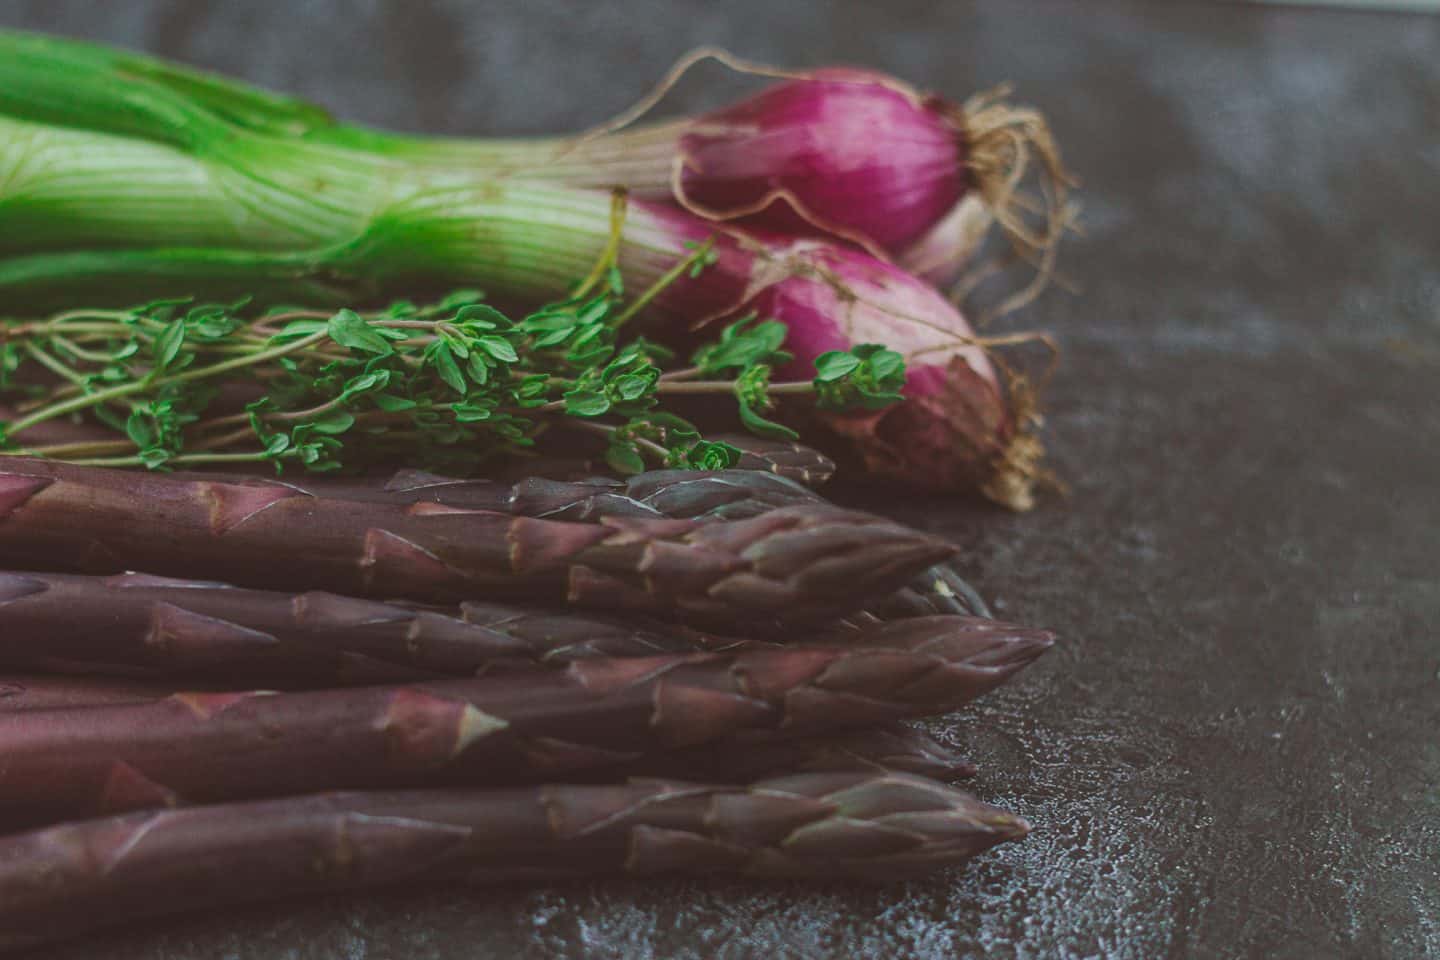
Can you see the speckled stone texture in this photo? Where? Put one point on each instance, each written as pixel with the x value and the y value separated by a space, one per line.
pixel 1236 751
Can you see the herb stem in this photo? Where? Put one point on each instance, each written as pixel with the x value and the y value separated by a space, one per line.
pixel 54 365
pixel 653 447
pixel 75 350
pixel 288 416
pixel 315 411
pixel 264 327
pixel 139 386
pixel 606 430
pixel 184 459
pixel 408 324
pixel 225 421
pixel 658 287
pixel 69 315
pixel 618 205
pixel 264 356
pixel 51 327
pixel 226 439
pixel 728 386
pixel 78 448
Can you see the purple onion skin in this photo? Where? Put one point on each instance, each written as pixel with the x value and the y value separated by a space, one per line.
pixel 953 431
pixel 850 153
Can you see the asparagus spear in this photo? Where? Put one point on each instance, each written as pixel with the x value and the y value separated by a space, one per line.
pixel 889 747
pixel 656 494
pixel 685 494
pixel 677 494
pixel 199 748
pixel 867 825
pixel 141 626
pixel 806 563
pixel 135 625
pixel 937 590
pixel 784 458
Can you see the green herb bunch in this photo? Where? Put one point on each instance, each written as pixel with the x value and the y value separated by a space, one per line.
pixel 446 385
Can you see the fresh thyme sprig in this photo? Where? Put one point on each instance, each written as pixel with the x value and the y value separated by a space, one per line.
pixel 444 385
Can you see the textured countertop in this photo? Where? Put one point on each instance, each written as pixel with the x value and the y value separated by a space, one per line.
pixel 1236 750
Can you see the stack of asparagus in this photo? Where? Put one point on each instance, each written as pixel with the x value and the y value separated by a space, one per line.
pixel 678 672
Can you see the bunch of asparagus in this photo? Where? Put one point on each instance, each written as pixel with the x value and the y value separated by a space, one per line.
pixel 216 688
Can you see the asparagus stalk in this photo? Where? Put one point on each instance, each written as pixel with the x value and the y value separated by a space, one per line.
pixel 139 626
pixel 143 626
pixel 784 458
pixel 807 563
pixel 868 826
pixel 937 590
pixel 595 714
pixel 889 747
pixel 677 494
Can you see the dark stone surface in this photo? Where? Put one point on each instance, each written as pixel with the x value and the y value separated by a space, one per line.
pixel 1235 752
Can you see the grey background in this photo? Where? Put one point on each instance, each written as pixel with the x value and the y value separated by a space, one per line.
pixel 1234 753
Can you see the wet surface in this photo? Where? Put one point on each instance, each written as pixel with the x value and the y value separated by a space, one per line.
pixel 1234 752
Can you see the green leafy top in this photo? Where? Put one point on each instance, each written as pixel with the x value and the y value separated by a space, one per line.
pixel 446 385
pixel 869 376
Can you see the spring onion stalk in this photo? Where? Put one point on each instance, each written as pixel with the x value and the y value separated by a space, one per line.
pixel 846 153
pixel 850 154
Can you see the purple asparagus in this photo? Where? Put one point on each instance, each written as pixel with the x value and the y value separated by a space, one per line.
pixel 864 825
pixel 594 714
pixel 887 747
pixel 676 494
pixel 137 625
pixel 807 563
pixel 655 495
pixel 134 625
